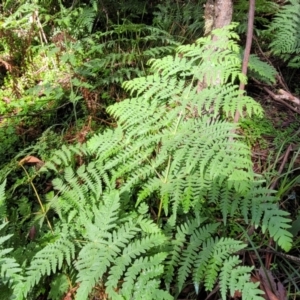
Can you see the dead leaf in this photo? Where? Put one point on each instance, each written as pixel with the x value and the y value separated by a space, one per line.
pixel 30 160
pixel 274 289
pixel 68 297
pixel 268 293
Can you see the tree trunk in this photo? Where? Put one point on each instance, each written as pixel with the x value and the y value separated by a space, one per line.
pixel 223 13
pixel 217 14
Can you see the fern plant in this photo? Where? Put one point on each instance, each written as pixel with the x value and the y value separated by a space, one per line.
pixel 122 253
pixel 121 52
pixel 175 149
pixel 285 33
pixel 175 146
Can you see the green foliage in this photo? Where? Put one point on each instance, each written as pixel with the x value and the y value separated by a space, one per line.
pixel 119 250
pixel 9 268
pixel 183 20
pixel 263 10
pixel 132 213
pixel 179 151
pixel 261 70
pixel 121 52
pixel 49 260
pixel 285 31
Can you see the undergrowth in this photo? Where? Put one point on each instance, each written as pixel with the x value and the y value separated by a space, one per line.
pixel 121 178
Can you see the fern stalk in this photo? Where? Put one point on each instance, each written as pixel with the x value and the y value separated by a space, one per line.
pixel 38 197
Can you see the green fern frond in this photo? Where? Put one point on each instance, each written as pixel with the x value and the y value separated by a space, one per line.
pixel 10 270
pixel 265 212
pixel 183 231
pixel 225 275
pixel 198 238
pixel 86 18
pixel 47 261
pixel 276 221
pixel 257 202
pixel 174 145
pixel 221 250
pixel 180 19
pixel 285 30
pixel 113 247
pixel 2 201
pixel 178 151
pixel 261 70
pixel 140 282
pixel 64 157
pixel 234 277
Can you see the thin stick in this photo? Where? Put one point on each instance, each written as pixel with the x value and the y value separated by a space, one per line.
pixel 247 49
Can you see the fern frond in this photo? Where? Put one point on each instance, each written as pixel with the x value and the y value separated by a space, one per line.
pixel 183 232
pixel 47 261
pixel 262 70
pixel 285 30
pixel 221 250
pixel 266 213
pixel 277 223
pixel 198 238
pixel 2 201
pixel 113 247
pixel 86 18
pixel 10 270
pixel 171 143
pixel 142 272
pixel 237 278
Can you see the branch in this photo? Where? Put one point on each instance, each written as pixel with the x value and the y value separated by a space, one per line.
pixel 280 98
pixel 247 49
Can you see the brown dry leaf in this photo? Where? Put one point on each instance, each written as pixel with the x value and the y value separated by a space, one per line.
pixel 268 293
pixel 273 288
pixel 281 291
pixel 30 160
pixel 68 297
pixel 237 294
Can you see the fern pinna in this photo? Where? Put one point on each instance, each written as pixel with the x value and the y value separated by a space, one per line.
pixel 174 148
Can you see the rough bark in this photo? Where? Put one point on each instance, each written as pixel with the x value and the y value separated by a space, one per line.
pixel 217 14
pixel 223 13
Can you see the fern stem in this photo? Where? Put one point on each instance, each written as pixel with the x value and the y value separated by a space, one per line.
pixel 165 180
pixel 178 122
pixel 38 197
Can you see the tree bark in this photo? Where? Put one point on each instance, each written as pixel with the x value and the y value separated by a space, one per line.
pixel 223 13
pixel 217 14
